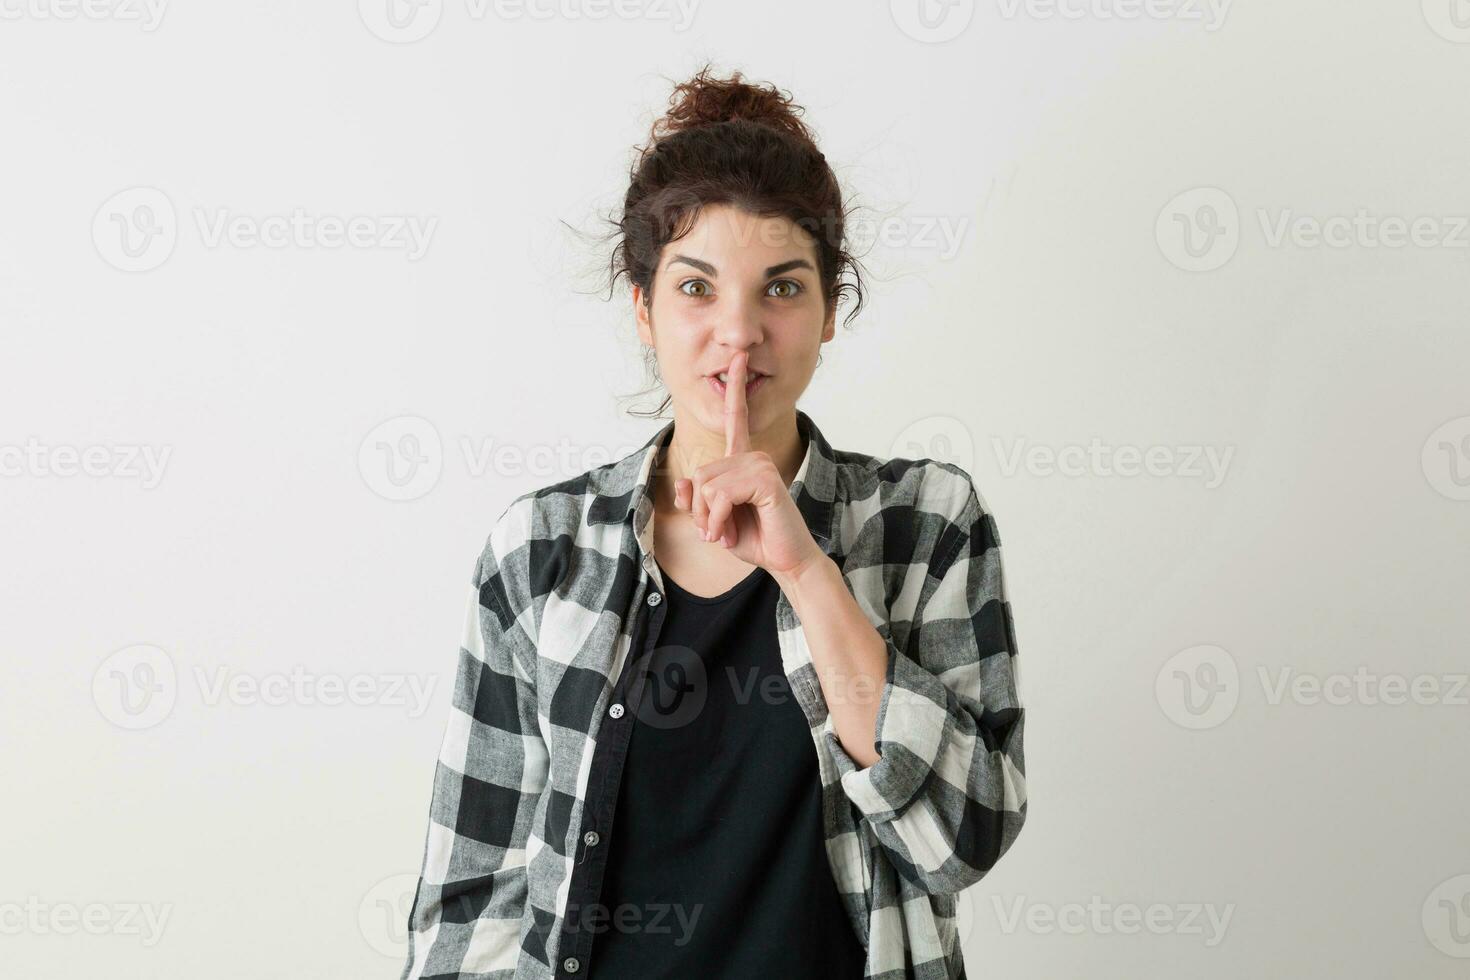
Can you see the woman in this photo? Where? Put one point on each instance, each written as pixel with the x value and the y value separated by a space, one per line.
pixel 737 704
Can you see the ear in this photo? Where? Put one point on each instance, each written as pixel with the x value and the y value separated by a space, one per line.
pixel 640 315
pixel 829 328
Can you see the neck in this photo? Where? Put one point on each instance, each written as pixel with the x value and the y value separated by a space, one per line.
pixel 692 446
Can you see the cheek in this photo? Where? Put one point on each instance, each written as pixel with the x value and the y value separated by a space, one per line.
pixel 796 363
pixel 677 347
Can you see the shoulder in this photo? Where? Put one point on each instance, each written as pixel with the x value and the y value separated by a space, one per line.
pixel 900 510
pixel 928 488
pixel 552 517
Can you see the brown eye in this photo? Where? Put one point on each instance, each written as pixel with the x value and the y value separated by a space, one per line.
pixel 694 282
pixel 792 288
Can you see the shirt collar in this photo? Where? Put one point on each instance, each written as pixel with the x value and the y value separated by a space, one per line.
pixel 628 487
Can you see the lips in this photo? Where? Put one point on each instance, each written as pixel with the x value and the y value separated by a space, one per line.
pixel 751 385
pixel 750 372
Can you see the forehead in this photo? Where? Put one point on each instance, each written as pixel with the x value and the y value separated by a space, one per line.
pixel 728 236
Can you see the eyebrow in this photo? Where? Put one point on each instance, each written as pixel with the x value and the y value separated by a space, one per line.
pixel 709 270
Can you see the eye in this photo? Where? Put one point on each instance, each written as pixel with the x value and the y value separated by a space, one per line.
pixel 793 288
pixel 694 282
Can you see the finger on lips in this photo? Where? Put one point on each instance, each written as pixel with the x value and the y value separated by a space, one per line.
pixel 737 422
pixel 737 431
pixel 690 492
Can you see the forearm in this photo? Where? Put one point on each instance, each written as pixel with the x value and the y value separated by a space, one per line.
pixel 849 655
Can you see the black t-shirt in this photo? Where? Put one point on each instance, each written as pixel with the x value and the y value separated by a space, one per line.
pixel 717 865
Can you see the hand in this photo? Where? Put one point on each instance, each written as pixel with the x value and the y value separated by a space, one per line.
pixel 740 501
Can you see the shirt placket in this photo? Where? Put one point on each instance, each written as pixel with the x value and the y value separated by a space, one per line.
pixel 614 734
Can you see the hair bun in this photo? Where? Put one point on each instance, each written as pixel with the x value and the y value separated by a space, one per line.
pixel 705 100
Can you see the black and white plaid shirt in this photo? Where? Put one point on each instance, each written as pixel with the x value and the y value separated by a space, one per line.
pixel 562 590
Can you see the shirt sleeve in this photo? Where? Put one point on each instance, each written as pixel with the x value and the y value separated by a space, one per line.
pixel 471 893
pixel 947 796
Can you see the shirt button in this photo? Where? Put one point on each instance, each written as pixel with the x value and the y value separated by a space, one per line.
pixel 616 711
pixel 654 598
pixel 591 838
pixel 571 964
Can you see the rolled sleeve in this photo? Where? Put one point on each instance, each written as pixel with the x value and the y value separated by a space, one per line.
pixel 947 795
pixel 910 744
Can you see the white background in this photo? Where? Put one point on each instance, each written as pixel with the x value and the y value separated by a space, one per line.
pixel 1070 317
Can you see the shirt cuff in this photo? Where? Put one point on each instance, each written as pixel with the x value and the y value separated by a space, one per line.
pixel 912 730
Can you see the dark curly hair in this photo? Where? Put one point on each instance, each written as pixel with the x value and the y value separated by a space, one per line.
pixel 727 141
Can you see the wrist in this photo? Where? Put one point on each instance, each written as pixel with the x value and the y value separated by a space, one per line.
pixel 811 576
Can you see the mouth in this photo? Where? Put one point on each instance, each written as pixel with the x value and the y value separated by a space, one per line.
pixel 753 382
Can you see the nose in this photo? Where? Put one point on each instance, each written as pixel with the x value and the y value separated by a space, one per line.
pixel 739 325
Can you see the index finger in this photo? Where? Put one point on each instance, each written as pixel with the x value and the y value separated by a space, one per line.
pixel 737 419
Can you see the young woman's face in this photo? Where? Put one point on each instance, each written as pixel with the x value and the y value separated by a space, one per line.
pixel 736 282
